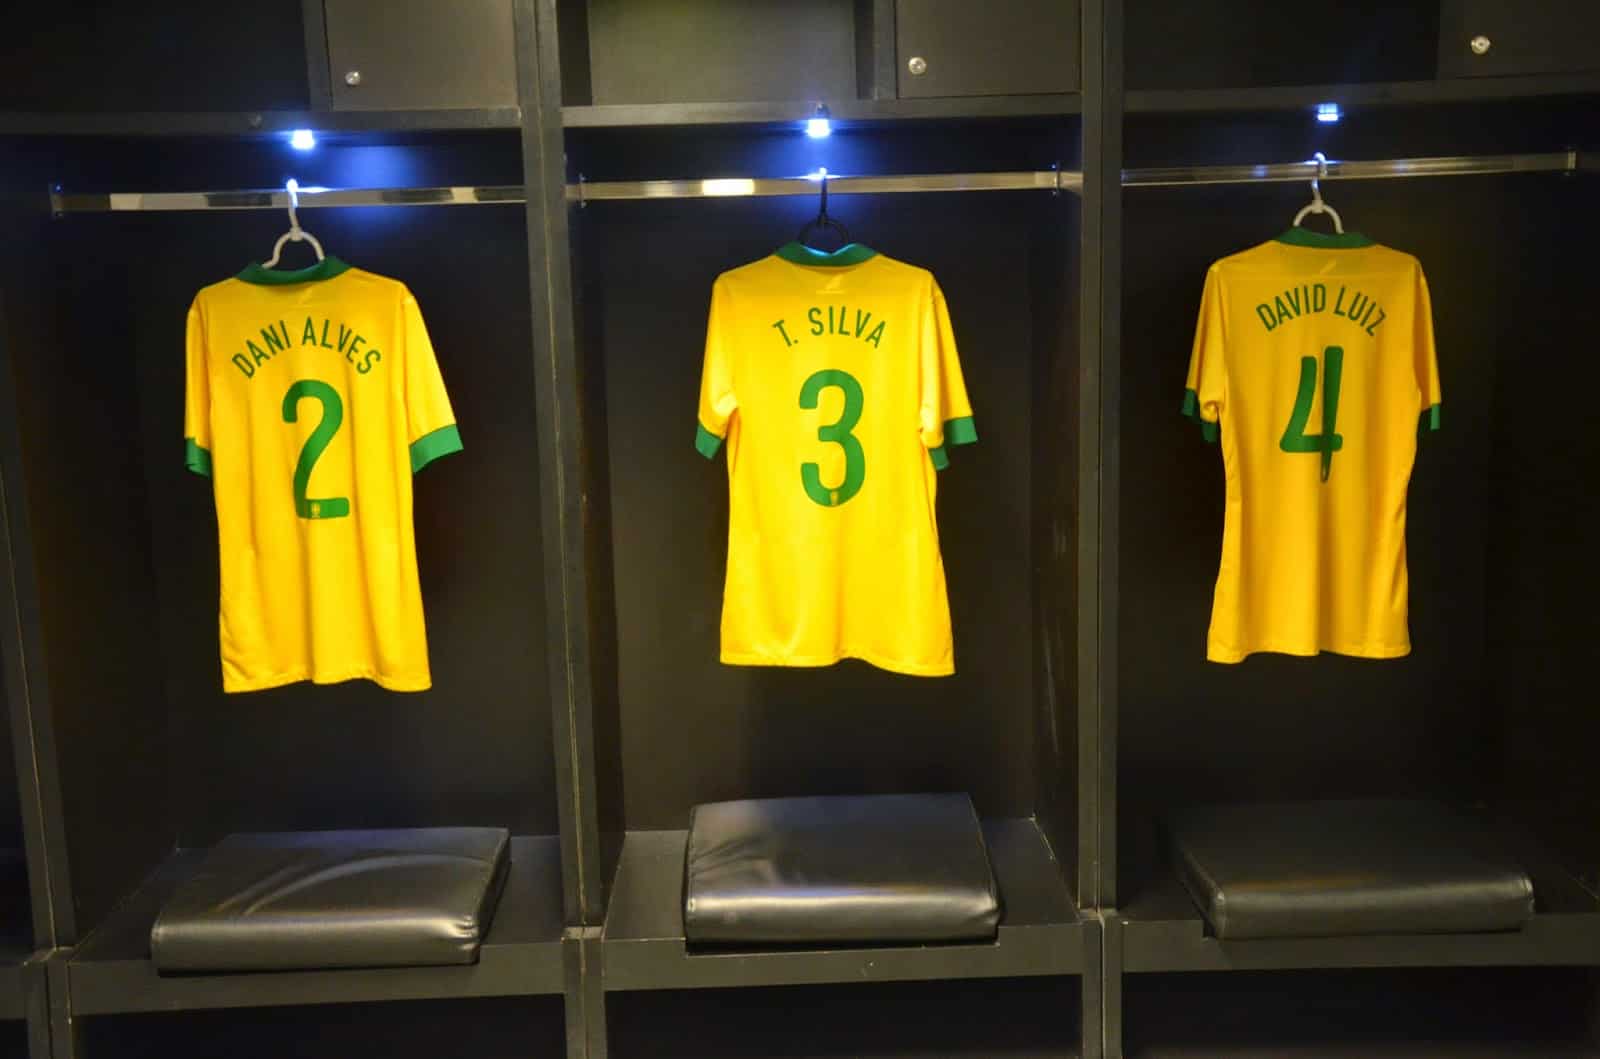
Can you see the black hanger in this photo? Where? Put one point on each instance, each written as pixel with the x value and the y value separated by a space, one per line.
pixel 823 222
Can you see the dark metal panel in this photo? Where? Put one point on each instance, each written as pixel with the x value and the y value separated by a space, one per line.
pixel 1112 970
pixel 1388 93
pixel 1099 427
pixel 1481 1013
pixel 1017 1018
pixel 377 47
pixel 1490 38
pixel 875 49
pixel 790 113
pixel 318 79
pixel 1184 946
pixel 252 125
pixel 146 55
pixel 562 474
pixel 1241 43
pixel 64 1030
pixel 669 51
pixel 1092 989
pixel 28 716
pixel 572 17
pixel 1001 47
pixel 36 1005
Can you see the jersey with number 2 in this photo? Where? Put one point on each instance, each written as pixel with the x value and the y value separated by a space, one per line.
pixel 834 380
pixel 1313 361
pixel 312 398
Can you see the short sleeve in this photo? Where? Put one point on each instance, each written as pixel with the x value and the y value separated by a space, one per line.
pixel 196 396
pixel 1426 360
pixel 430 422
pixel 946 413
pixel 1207 388
pixel 718 397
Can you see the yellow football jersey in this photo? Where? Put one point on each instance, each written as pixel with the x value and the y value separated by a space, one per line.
pixel 1314 353
pixel 835 381
pixel 312 398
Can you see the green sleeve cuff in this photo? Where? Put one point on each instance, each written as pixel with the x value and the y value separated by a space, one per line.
pixel 196 459
pixel 1191 411
pixel 431 446
pixel 1429 422
pixel 960 431
pixel 705 442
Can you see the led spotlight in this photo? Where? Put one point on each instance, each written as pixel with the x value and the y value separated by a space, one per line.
pixel 302 139
pixel 1329 113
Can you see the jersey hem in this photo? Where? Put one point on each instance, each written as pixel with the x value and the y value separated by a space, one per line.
pixel 910 669
pixel 279 680
pixel 1230 655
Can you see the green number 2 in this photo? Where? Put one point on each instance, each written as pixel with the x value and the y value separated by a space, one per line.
pixel 838 433
pixel 332 418
pixel 1295 438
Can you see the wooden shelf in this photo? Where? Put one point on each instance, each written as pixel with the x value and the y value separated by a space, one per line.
pixel 111 972
pixel 258 123
pixel 1384 93
pixel 643 946
pixel 1163 931
pixel 850 110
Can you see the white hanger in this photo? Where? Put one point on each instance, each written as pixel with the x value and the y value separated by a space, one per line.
pixel 1317 205
pixel 295 232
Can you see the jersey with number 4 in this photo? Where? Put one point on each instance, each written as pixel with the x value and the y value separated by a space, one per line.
pixel 313 396
pixel 834 380
pixel 1314 356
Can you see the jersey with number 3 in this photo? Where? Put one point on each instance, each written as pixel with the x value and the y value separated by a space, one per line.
pixel 834 380
pixel 1314 361
pixel 312 398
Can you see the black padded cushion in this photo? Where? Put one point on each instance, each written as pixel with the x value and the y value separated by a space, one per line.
pixel 1320 869
pixel 320 899
pixel 898 867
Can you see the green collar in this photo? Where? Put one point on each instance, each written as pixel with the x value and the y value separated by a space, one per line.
pixel 327 268
pixel 849 254
pixel 1298 236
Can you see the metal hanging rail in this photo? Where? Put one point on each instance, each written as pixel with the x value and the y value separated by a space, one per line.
pixel 1053 180
pixel 1386 169
pixel 310 198
pixel 761 187
pixel 583 192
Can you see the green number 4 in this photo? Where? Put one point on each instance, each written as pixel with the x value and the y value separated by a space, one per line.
pixel 1295 438
pixel 837 433
pixel 332 417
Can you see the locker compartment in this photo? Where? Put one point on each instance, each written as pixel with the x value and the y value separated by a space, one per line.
pixel 152 761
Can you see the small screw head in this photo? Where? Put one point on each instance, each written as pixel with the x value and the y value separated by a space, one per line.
pixel 352 77
pixel 1481 45
pixel 918 66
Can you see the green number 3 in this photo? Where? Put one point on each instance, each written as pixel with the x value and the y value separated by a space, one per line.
pixel 838 433
pixel 1295 438
pixel 332 418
